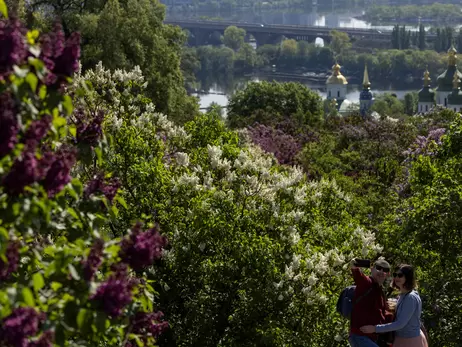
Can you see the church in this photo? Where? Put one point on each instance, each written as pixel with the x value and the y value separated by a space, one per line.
pixel 446 94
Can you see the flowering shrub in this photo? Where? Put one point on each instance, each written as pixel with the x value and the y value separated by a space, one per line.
pixel 257 252
pixel 284 146
pixel 429 232
pixel 64 278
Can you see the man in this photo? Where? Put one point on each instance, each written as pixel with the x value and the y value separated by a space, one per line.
pixel 370 303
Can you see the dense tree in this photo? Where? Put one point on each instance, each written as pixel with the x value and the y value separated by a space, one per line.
pixel 428 227
pixel 270 103
pixel 123 34
pixel 340 42
pixel 234 37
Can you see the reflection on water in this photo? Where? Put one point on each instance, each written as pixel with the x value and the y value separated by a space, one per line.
pixel 218 90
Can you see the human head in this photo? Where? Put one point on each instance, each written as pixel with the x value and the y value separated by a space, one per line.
pixel 380 271
pixel 407 281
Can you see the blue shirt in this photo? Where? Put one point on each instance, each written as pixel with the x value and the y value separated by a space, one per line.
pixel 407 321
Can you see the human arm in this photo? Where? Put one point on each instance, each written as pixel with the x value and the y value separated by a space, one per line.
pixel 360 279
pixel 407 309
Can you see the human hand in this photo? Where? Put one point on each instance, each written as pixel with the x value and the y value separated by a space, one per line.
pixel 368 329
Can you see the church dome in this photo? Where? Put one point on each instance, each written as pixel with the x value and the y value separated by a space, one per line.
pixel 445 79
pixel 426 94
pixel 336 77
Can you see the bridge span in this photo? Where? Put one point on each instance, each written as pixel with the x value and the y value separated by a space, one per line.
pixel 272 33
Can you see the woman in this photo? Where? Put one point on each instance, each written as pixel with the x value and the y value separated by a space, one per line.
pixel 408 310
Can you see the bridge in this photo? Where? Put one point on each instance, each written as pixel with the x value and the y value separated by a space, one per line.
pixel 201 30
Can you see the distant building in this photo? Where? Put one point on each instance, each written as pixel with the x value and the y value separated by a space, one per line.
pixel 337 90
pixel 426 95
pixel 366 99
pixel 445 80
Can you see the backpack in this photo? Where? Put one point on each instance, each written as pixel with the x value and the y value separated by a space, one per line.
pixel 345 302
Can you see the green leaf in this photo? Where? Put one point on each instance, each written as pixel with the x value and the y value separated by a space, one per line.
pixel 3 9
pixel 38 282
pixel 73 272
pixel 72 130
pixel 42 92
pixel 101 322
pixel 67 104
pixel 59 122
pixel 32 80
pixel 121 201
pixel 28 297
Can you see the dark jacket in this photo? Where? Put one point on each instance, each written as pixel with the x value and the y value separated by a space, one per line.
pixel 372 308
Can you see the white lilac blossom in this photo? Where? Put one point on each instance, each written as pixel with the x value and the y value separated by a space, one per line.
pixel 182 159
pixel 313 256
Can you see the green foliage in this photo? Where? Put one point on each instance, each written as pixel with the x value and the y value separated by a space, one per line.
pixel 234 37
pixel 124 34
pixel 441 13
pixel 256 250
pixel 387 105
pixel 340 42
pixel 271 102
pixel 50 265
pixel 426 231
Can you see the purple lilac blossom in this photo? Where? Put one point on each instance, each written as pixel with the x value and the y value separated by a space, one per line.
pixel 61 58
pixel 98 184
pixel 116 293
pixel 148 324
pixel 37 131
pixel 94 260
pixel 423 144
pixel 9 126
pixel 58 173
pixel 13 44
pixel 284 147
pixel 21 324
pixel 24 172
pixel 140 249
pixel 89 128
pixel 12 257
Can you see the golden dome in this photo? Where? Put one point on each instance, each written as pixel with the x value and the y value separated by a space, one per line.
pixel 426 78
pixel 452 56
pixel 336 77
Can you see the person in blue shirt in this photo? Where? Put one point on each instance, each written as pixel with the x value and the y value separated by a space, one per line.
pixel 408 311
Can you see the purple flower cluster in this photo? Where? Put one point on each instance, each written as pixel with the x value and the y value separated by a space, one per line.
pixel 89 129
pixel 14 48
pixel 116 293
pixel 140 249
pixel 52 171
pixel 94 260
pixel 19 326
pixel 58 174
pixel 426 145
pixel 98 184
pixel 12 257
pixel 37 131
pixel 147 325
pixel 284 146
pixel 9 126
pixel 60 57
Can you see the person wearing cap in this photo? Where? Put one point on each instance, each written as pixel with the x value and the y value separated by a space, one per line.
pixel 371 308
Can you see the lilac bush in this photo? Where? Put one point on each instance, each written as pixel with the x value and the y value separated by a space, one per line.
pixel 285 147
pixel 62 280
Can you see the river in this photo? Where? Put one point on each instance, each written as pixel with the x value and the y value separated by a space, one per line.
pixel 219 92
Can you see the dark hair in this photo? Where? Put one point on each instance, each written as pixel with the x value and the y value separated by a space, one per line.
pixel 409 274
